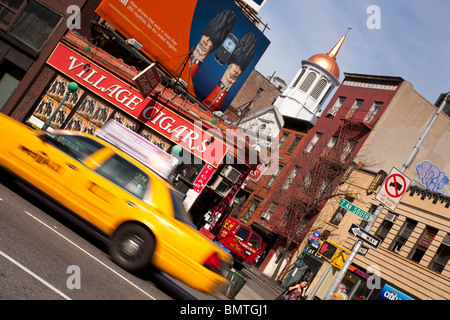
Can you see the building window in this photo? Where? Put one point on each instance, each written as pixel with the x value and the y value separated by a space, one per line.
pixel 313 142
pixel 442 256
pixel 268 214
pixel 348 150
pixel 403 235
pixel 330 145
pixel 337 105
pixel 340 213
pixel 9 9
pixel 318 89
pixel 290 178
pixel 274 176
pixel 294 144
pixel 35 25
pixel 307 181
pixel 282 139
pixel 10 76
pixel 372 112
pixel 423 243
pixel 386 225
pixel 298 78
pixel 356 105
pixel 251 210
pixel 310 78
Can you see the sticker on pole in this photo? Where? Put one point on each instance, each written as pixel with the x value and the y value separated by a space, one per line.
pixel 393 189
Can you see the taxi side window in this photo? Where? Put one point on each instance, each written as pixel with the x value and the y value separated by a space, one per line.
pixel 125 175
pixel 78 147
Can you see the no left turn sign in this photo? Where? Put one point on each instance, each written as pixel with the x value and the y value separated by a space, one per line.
pixel 393 188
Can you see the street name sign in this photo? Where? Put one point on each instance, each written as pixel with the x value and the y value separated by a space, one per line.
pixel 393 189
pixel 354 209
pixel 363 235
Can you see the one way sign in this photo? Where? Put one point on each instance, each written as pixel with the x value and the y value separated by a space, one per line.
pixel 363 235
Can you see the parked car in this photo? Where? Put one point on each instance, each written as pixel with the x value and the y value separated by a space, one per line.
pixel 117 195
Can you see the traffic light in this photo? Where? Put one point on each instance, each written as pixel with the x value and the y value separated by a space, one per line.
pixel 327 250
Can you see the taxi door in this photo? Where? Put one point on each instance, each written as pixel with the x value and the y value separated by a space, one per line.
pixel 53 165
pixel 112 188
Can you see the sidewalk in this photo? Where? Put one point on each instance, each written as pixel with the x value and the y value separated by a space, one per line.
pixel 257 287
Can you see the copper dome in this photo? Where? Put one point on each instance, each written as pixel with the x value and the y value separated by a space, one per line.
pixel 327 62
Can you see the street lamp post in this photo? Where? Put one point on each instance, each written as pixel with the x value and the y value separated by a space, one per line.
pixel 72 86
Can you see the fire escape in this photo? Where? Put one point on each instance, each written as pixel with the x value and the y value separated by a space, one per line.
pixel 333 162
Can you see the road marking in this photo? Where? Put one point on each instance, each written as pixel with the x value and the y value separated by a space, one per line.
pixel 34 275
pixel 90 255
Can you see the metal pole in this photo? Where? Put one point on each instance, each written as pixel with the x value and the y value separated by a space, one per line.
pixel 377 212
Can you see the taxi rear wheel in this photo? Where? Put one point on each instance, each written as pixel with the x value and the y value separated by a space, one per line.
pixel 132 247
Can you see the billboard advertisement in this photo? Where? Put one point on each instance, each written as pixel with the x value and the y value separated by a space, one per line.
pixel 211 45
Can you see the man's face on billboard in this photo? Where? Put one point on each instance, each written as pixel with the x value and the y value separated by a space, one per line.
pixel 203 48
pixel 231 74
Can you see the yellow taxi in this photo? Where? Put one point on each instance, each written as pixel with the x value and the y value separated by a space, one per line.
pixel 140 212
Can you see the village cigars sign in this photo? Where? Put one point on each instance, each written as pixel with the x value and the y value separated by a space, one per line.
pixel 120 94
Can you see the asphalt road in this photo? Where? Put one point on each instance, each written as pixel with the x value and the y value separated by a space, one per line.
pixel 44 256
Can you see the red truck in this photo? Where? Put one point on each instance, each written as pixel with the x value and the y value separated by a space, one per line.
pixel 244 244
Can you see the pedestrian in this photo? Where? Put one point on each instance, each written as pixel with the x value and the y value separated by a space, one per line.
pixel 296 292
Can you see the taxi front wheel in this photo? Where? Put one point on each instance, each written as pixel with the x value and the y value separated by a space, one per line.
pixel 132 247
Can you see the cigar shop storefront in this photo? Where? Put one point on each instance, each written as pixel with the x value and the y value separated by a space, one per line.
pixel 105 90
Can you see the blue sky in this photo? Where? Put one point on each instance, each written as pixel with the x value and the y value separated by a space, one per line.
pixel 413 41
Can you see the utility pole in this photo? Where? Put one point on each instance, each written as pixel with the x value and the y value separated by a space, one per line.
pixel 377 212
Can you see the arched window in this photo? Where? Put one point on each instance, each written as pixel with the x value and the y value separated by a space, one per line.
pixel 318 89
pixel 308 82
pixel 298 78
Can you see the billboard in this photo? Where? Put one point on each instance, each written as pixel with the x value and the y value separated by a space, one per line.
pixel 211 45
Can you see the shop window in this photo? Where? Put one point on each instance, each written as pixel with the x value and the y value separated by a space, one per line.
pixel 10 77
pixel 442 256
pixel 403 235
pixel 423 243
pixel 35 25
pixel 50 102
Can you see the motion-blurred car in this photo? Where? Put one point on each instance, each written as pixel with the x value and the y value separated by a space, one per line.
pixel 140 212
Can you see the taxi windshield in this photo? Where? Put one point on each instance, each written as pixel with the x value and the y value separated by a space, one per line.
pixel 78 147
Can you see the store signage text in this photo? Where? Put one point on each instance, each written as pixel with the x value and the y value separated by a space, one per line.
pixel 163 120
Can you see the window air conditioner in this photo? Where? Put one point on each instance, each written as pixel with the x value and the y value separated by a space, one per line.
pixel 265 216
pixel 231 173
pixel 220 185
pixel 391 217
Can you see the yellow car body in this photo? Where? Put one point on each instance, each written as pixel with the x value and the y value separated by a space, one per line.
pixel 88 176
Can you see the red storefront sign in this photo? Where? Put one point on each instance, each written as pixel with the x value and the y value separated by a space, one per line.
pixel 163 120
pixel 203 178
